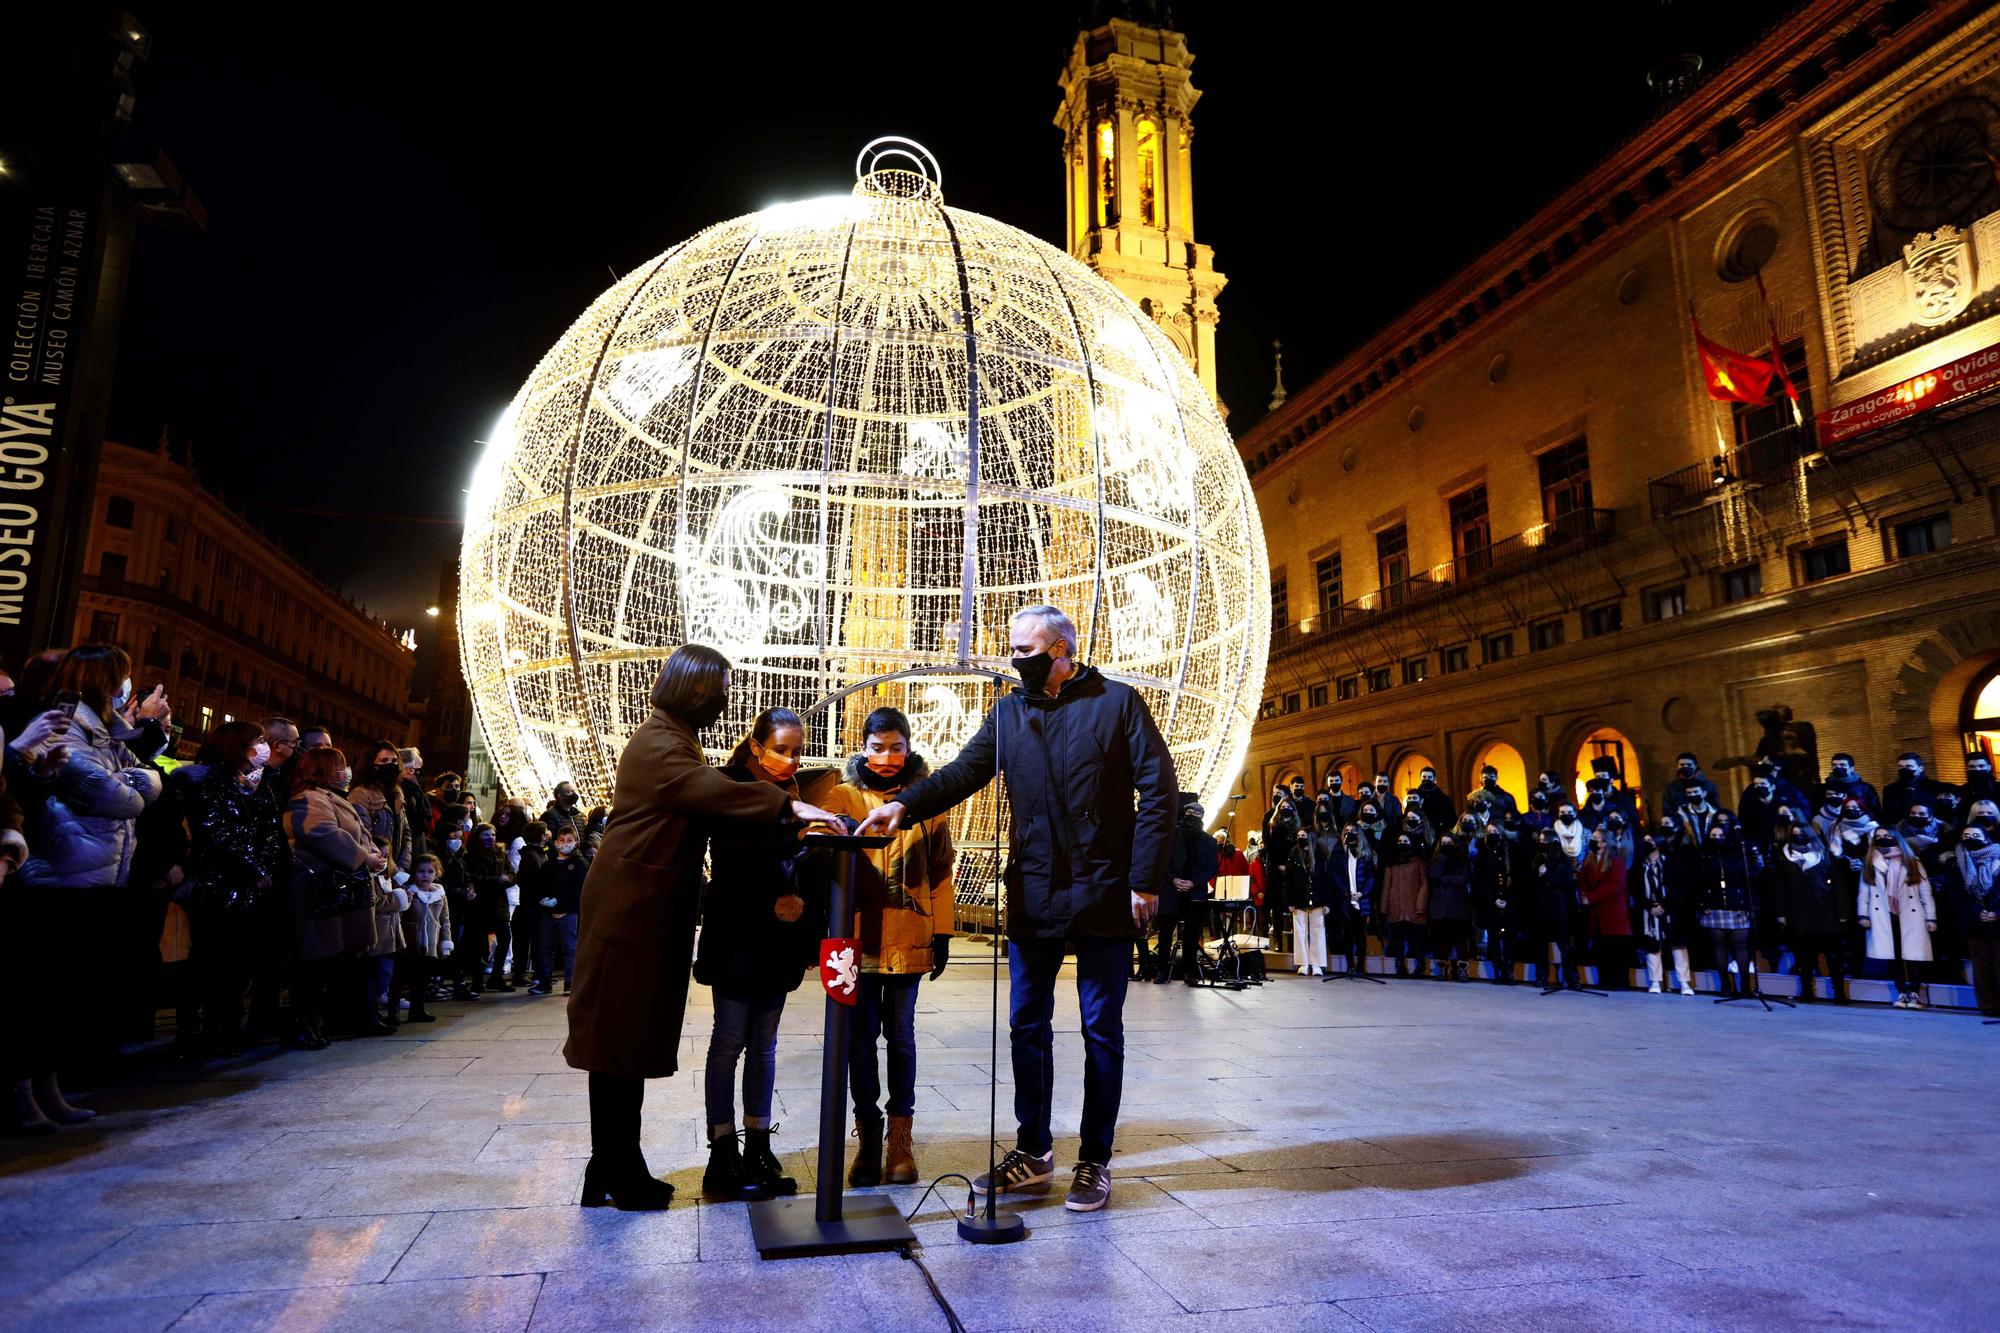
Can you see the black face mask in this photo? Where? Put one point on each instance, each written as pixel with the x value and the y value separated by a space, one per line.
pixel 1489 782
pixel 387 771
pixel 705 716
pixel 1034 671
pixel 1298 793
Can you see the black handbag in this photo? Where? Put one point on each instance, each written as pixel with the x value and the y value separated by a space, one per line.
pixel 329 892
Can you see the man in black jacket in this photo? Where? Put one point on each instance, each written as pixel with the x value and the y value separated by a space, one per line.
pixel 1083 869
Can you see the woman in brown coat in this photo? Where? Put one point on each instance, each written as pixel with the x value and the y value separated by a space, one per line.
pixel 635 937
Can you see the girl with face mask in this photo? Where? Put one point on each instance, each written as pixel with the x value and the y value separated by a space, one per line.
pixel 1896 907
pixel 903 914
pixel 1726 905
pixel 1815 917
pixel 1406 905
pixel 762 920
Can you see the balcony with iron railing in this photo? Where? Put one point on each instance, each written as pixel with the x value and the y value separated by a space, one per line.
pixel 1755 462
pixel 1579 530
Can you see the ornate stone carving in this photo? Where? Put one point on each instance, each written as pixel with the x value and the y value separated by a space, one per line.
pixel 1937 266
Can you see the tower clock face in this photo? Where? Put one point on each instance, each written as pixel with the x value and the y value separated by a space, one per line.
pixel 1936 170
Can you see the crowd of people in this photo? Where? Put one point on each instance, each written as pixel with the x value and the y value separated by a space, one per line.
pixel 274 888
pixel 1897 884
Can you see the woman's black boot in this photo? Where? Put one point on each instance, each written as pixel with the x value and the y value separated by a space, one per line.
pixel 728 1176
pixel 762 1166
pixel 630 1187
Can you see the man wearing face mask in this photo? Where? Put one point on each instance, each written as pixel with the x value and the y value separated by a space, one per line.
pixel 1757 809
pixel 1335 805
pixel 1084 862
pixel 1191 870
pixel 1392 808
pixel 1491 803
pixel 1979 781
pixel 1911 787
pixel 1694 813
pixel 1541 813
pixel 1687 770
pixel 1845 778
pixel 565 809
pixel 1438 810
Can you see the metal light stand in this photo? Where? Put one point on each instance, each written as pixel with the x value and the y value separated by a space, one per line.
pixel 830 1223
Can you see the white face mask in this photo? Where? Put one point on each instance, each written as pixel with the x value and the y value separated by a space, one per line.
pixel 124 695
pixel 260 755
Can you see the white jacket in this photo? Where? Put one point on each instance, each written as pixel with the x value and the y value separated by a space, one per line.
pixel 427 923
pixel 1916 909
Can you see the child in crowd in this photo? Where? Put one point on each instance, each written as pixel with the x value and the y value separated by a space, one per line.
pixel 558 892
pixel 426 939
pixel 391 901
pixel 528 862
pixel 486 865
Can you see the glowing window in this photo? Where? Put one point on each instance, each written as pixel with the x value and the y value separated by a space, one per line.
pixel 1107 174
pixel 1982 730
pixel 1607 743
pixel 1149 173
pixel 1409 772
pixel 1507 760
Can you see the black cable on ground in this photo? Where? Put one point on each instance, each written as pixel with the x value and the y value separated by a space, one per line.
pixel 952 1321
pixel 911 1216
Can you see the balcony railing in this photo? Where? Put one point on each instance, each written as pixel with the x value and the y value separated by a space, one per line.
pixel 1771 457
pixel 1577 530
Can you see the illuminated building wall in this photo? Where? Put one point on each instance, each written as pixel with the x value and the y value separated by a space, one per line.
pixel 225 617
pixel 1515 518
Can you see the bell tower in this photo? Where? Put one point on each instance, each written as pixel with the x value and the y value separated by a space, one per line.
pixel 1125 121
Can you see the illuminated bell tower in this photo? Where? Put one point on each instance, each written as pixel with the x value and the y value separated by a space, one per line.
pixel 1127 100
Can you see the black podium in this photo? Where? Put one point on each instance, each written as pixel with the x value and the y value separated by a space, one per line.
pixel 829 1222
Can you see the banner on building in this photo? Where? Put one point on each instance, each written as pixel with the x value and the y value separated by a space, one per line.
pixel 47 249
pixel 1919 393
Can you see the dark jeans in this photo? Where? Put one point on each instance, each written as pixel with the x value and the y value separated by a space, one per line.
pixel 558 949
pixel 1613 956
pixel 884 1006
pixel 746 1028
pixel 414 970
pixel 1407 939
pixel 1103 970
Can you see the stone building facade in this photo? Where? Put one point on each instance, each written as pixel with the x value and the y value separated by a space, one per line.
pixel 1514 528
pixel 225 617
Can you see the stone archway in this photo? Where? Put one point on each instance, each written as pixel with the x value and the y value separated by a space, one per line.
pixel 1929 689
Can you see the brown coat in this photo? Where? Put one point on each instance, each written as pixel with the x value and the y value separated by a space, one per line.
pixel 1406 892
pixel 902 892
pixel 635 933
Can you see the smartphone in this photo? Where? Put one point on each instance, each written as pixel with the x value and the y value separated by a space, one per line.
pixel 67 701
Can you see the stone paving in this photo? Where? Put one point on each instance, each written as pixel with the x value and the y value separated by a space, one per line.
pixel 1416 1155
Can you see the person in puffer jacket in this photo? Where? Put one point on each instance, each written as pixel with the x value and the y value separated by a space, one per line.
pixel 82 833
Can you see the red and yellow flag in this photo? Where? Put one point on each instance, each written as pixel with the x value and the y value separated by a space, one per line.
pixel 1732 376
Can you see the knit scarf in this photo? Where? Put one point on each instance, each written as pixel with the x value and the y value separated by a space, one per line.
pixel 1978 868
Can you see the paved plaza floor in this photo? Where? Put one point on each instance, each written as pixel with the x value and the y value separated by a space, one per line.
pixel 1347 1156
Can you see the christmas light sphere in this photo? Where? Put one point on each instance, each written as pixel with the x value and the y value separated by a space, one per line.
pixel 843 441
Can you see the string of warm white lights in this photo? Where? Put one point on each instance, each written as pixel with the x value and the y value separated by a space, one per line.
pixel 843 440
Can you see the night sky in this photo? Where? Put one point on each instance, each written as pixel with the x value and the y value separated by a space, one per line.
pixel 407 208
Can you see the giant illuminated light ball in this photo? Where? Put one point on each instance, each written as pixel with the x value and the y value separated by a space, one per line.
pixel 843 441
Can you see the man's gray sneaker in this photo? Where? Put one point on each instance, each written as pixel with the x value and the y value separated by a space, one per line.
pixel 1018 1171
pixel 1091 1189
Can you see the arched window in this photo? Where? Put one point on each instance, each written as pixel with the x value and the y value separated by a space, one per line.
pixel 1512 768
pixel 1982 714
pixel 1149 173
pixel 1105 176
pixel 1608 743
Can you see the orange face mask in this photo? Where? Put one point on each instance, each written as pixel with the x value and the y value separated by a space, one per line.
pixel 887 763
pixel 779 766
